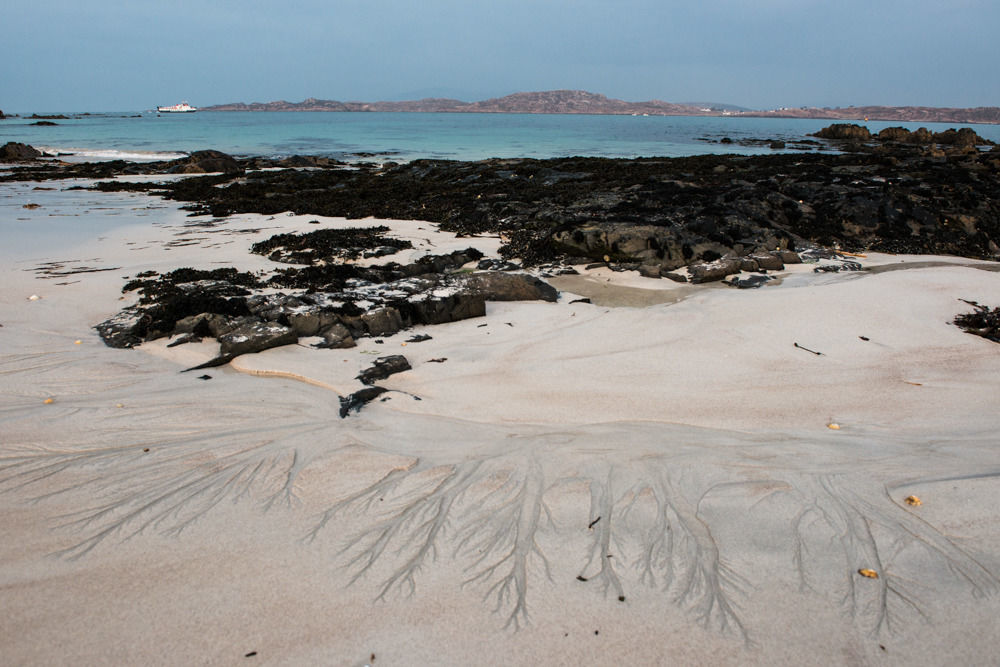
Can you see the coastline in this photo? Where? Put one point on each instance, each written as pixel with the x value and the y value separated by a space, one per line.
pixel 676 455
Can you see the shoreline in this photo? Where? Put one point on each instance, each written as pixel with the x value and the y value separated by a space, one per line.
pixel 577 480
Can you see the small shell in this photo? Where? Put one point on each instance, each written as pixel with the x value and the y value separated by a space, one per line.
pixel 78 342
pixel 49 401
pixel 865 572
pixel 913 500
pixel 833 425
pixel 34 297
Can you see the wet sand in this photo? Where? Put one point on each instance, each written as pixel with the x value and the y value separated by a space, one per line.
pixel 649 478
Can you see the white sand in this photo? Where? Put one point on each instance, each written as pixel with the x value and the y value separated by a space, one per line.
pixel 452 529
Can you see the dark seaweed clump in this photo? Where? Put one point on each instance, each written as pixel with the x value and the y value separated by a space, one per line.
pixel 153 288
pixel 985 322
pixel 328 244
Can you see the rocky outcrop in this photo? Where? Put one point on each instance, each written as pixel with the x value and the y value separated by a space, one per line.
pixel 890 196
pixel 13 151
pixel 235 309
pixel 206 162
pixel 844 132
pixel 964 137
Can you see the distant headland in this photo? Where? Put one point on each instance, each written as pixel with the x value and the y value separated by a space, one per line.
pixel 583 102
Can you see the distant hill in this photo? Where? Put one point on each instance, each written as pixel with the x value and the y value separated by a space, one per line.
pixel 553 101
pixel 583 102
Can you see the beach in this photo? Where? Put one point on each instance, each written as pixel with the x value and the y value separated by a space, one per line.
pixel 669 474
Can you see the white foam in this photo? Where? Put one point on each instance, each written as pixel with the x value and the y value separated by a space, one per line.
pixel 101 154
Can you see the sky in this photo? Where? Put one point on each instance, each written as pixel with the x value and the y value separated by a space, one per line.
pixel 103 55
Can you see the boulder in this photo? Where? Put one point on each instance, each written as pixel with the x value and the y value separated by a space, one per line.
pixel 767 261
pixel 497 286
pixel 305 323
pixel 337 337
pixel 382 321
pixel 441 309
pixel 897 134
pixel 209 324
pixel 789 256
pixel 253 337
pixel 122 330
pixel 649 270
pixel 622 241
pixel 14 151
pixel 676 277
pixel 704 272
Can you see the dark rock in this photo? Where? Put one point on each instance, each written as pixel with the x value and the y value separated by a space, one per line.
pixel 358 399
pixel 704 272
pixel 420 338
pixel 497 265
pixel 123 329
pixel 254 337
pixel 844 132
pixel 788 257
pixel 205 162
pixel 649 270
pixel 306 323
pixel 17 152
pixel 898 134
pixel 337 337
pixel 768 261
pixel 836 268
pixel 494 286
pixel 383 368
pixel 676 277
pixel 45 123
pixel 382 321
pixel 300 161
pixel 439 310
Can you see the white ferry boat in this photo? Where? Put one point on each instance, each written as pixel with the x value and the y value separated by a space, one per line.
pixel 183 107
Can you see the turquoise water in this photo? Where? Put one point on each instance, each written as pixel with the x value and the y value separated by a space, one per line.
pixel 405 136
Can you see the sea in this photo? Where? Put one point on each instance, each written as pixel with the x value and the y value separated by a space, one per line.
pixel 400 137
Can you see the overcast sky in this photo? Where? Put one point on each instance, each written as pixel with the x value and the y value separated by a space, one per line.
pixel 101 55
